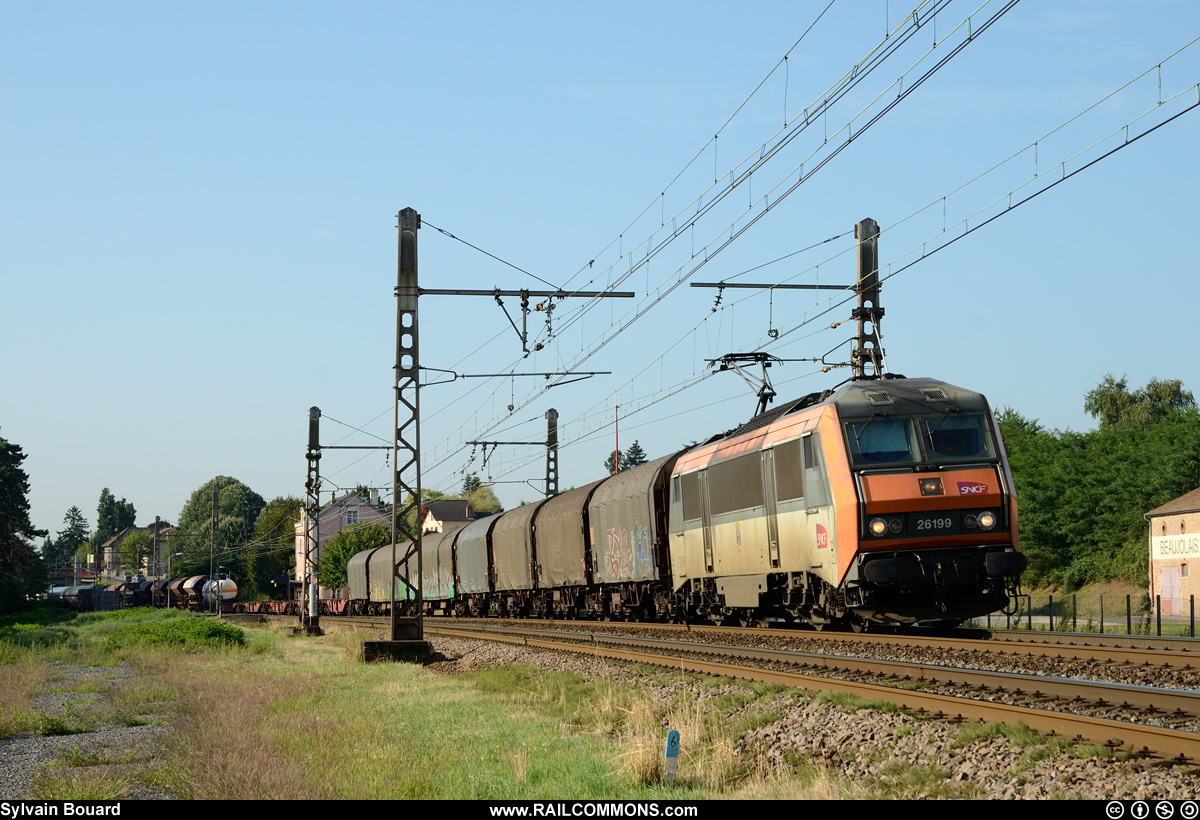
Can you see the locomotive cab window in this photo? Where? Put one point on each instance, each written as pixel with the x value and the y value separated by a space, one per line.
pixel 954 437
pixel 690 485
pixel 881 440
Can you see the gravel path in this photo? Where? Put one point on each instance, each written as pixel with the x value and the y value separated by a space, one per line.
pixel 24 756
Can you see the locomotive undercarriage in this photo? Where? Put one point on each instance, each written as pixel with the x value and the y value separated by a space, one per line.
pixel 942 587
pixel 933 586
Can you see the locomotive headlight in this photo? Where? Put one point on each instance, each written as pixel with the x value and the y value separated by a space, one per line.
pixel 971 522
pixel 895 525
pixel 878 526
pixel 987 520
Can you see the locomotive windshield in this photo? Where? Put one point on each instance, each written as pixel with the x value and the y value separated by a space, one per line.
pixel 954 437
pixel 949 437
pixel 882 440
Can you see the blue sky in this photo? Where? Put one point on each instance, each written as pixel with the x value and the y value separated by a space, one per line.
pixel 199 235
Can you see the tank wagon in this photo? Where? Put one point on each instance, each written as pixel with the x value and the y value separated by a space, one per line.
pixel 885 501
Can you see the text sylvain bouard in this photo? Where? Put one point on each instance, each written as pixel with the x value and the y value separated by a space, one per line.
pixel 58 809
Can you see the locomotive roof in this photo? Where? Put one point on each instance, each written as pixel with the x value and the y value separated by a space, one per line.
pixel 891 395
pixel 902 397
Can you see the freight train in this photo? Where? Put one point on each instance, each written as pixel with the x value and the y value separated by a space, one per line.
pixel 885 501
pixel 194 592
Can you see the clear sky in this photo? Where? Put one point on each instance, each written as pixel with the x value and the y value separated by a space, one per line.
pixel 198 207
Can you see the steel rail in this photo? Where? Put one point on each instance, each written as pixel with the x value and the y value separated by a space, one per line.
pixel 1152 741
pixel 1098 694
pixel 1183 656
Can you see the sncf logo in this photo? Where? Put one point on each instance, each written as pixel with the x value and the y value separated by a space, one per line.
pixel 822 538
pixel 968 488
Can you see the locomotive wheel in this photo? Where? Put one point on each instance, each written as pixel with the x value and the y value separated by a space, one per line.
pixel 859 625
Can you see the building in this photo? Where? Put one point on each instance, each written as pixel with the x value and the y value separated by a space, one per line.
pixel 334 517
pixel 447 515
pixel 150 561
pixel 1174 549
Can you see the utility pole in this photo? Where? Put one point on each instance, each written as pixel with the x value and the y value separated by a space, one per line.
pixel 616 438
pixel 551 453
pixel 212 541
pixel 867 358
pixel 310 619
pixel 407 633
pixel 551 445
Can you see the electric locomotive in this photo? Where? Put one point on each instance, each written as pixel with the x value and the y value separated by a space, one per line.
pixel 884 501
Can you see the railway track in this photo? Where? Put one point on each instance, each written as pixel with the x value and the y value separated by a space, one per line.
pixel 1155 721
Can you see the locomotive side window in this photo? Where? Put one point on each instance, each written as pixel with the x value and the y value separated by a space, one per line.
pixel 881 440
pixel 814 474
pixel 953 437
pixel 789 473
pixel 691 496
pixel 735 484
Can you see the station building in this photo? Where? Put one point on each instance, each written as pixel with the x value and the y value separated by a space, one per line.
pixel 1175 552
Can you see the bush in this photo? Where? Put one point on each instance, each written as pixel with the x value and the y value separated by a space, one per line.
pixel 181 633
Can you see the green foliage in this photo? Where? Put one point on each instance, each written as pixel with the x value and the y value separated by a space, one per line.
pixel 338 551
pixel 134 550
pixel 178 633
pixel 238 510
pixel 1082 496
pixel 273 551
pixel 62 551
pixel 1113 404
pixel 483 500
pixel 112 516
pixel 632 457
pixel 22 571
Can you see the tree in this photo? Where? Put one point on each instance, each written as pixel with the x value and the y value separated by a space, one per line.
pixel 1113 404
pixel 238 510
pixel 632 457
pixel 133 551
pixel 274 550
pixel 483 500
pixel 112 516
pixel 22 572
pixel 337 551
pixel 1083 495
pixel 610 463
pixel 470 484
pixel 71 537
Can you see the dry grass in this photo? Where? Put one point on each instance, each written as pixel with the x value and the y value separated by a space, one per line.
pixel 19 682
pixel 221 746
pixel 91 783
pixel 710 756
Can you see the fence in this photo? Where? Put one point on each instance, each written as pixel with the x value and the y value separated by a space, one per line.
pixel 1066 617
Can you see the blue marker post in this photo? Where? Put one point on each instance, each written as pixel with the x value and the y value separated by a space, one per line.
pixel 672 756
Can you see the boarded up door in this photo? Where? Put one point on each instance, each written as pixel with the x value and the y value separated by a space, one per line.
pixel 1171 602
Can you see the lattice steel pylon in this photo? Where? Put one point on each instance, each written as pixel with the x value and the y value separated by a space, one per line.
pixel 406 446
pixel 867 358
